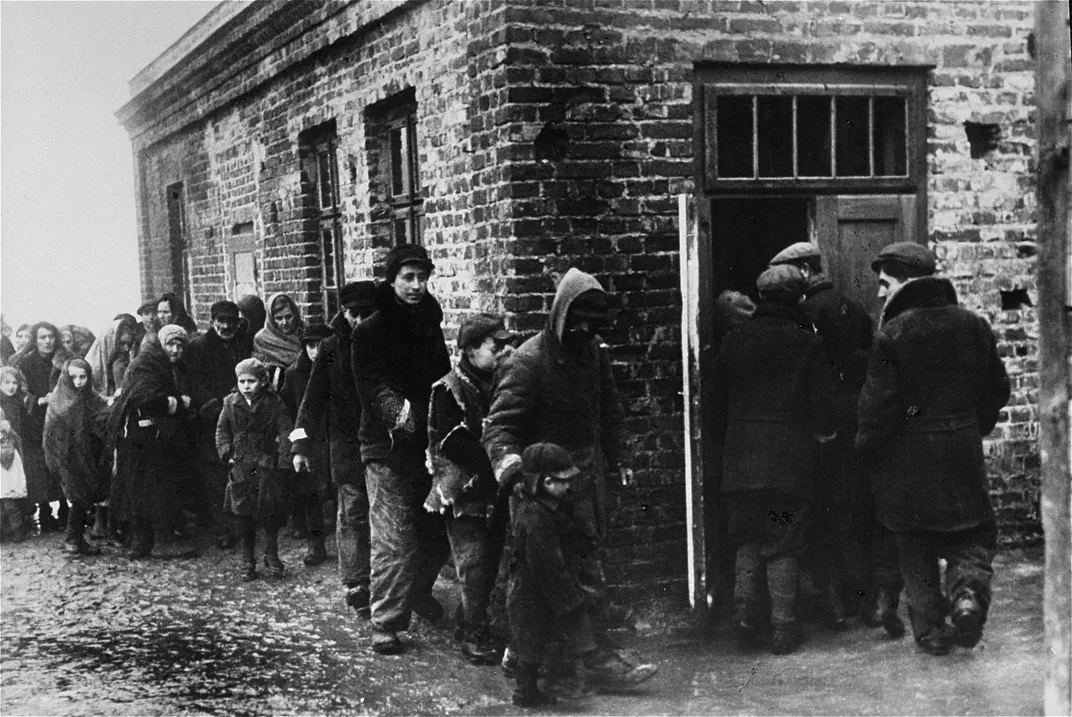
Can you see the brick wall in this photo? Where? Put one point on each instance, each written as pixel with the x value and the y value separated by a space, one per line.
pixel 559 134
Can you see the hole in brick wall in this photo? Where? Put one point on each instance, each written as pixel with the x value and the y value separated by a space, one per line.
pixel 551 144
pixel 1014 300
pixel 273 213
pixel 982 137
pixel 353 172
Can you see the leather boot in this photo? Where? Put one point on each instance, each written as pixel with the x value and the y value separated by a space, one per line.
pixel 315 552
pixel 272 563
pixel 884 613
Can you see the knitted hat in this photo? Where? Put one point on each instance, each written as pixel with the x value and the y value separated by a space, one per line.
pixel 224 308
pixel 251 367
pixel 404 254
pixel 910 254
pixel 544 458
pixel 315 333
pixel 476 327
pixel 782 282
pixel 172 332
pixel 796 252
pixel 358 295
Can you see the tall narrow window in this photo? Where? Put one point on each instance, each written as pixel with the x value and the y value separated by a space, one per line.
pixel 394 161
pixel 319 147
pixel 182 273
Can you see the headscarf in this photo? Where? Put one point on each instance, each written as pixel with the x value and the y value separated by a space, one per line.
pixel 29 361
pixel 271 346
pixel 149 373
pixel 71 452
pixel 253 311
pixel 15 407
pixel 104 352
pixel 83 338
pixel 170 333
pixel 178 313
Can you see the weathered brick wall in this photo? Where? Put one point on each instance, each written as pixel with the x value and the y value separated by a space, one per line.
pixel 559 134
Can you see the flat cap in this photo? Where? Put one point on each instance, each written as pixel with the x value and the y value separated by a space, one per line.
pixel 224 308
pixel 476 327
pixel 544 458
pixel 251 367
pixel 358 294
pixel 315 332
pixel 783 280
pixel 796 252
pixel 404 254
pixel 909 254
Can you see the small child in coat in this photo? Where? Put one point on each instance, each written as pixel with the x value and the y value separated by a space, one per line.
pixel 16 522
pixel 545 601
pixel 251 437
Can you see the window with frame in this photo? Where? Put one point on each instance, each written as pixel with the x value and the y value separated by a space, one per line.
pixel 396 182
pixel 813 127
pixel 319 149
pixel 180 249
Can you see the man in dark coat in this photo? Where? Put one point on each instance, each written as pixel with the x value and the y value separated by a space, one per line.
pixel 558 387
pixel 773 392
pixel 850 554
pixel 210 363
pixel 934 387
pixel 331 412
pixel 397 354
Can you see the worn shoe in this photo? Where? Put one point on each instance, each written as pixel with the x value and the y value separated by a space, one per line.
pixel 884 613
pixel 249 571
pixel 967 621
pixel 315 553
pixel 608 669
pixel 273 565
pixel 358 599
pixel 386 642
pixel 939 641
pixel 785 639
pixel 479 646
pixel 428 607
pixel 81 548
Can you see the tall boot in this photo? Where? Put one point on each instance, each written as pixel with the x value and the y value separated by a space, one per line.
pixel 45 522
pixel 247 537
pixel 272 562
pixel 99 531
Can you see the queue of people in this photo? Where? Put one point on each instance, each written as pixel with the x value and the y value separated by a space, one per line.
pixel 845 453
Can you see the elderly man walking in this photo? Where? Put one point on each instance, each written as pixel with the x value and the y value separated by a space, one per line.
pixel 934 387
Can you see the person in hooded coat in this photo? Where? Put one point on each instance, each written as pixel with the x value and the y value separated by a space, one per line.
pixel 109 356
pixel 558 387
pixel 40 362
pixel 73 445
pixel 397 354
pixel 935 385
pixel 76 339
pixel 311 488
pixel 330 412
pixel 151 429
pixel 773 389
pixel 252 312
pixel 278 344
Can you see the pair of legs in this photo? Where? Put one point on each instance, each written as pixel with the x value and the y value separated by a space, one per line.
pixel 75 540
pixel 969 555
pixel 352 542
pixel 470 545
pixel 13 522
pixel 408 548
pixel 247 536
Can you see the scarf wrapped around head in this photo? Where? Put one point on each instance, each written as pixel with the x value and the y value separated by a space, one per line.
pixel 82 339
pixel 271 346
pixel 170 333
pixel 105 350
pixel 71 450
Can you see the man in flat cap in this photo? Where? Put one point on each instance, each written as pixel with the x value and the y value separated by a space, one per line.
pixel 935 384
pixel 852 561
pixel 773 393
pixel 397 354
pixel 210 362
pixel 463 484
pixel 558 387
pixel 330 412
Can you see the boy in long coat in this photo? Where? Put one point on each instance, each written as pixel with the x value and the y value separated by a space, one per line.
pixel 934 387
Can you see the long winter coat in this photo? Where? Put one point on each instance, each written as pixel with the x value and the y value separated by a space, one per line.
pixel 74 439
pixel 153 444
pixel 42 373
pixel 773 391
pixel 934 387
pixel 254 437
pixel 330 410
pixel 397 354
pixel 211 362
pixel 545 393
pixel 295 382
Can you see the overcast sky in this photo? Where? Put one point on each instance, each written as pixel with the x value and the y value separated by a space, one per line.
pixel 68 237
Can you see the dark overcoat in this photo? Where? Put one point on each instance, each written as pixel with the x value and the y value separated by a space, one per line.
pixel 254 437
pixel 934 387
pixel 210 365
pixel 330 410
pixel 773 392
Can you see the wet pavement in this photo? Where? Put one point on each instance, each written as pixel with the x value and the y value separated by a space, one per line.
pixel 102 635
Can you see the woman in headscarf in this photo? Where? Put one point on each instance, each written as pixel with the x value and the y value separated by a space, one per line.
pixel 251 309
pixel 14 407
pixel 170 310
pixel 76 339
pixel 40 362
pixel 73 443
pixel 150 428
pixel 109 355
pixel 22 337
pixel 278 344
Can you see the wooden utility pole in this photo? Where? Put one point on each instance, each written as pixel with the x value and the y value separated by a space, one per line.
pixel 1054 95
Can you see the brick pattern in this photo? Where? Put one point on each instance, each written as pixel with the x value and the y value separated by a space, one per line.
pixel 559 134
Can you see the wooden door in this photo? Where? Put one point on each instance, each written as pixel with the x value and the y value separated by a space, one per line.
pixel 852 229
pixel 242 275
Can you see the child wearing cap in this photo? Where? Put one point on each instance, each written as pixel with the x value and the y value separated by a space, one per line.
pixel 251 437
pixel 545 600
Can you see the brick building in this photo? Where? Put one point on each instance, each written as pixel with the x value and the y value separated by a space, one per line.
pixel 285 146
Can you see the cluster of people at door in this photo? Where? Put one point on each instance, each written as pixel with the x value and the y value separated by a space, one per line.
pixel 818 423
